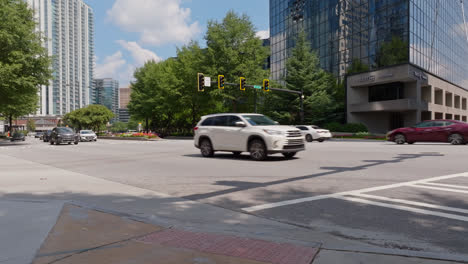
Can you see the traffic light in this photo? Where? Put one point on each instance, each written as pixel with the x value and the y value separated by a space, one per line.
pixel 221 82
pixel 266 85
pixel 242 83
pixel 201 82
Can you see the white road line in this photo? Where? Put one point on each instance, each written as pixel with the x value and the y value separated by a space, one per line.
pixel 440 207
pixel 406 208
pixel 371 189
pixel 438 188
pixel 446 185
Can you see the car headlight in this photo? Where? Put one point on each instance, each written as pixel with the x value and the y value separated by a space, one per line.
pixel 274 132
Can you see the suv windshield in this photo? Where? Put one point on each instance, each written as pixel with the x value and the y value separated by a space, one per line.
pixel 85 132
pixel 259 120
pixel 64 130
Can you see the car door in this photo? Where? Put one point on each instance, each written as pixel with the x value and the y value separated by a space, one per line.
pixel 235 137
pixel 218 132
pixel 419 132
pixel 304 130
pixel 427 132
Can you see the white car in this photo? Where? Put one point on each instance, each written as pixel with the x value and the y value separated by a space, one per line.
pixel 252 133
pixel 87 135
pixel 312 133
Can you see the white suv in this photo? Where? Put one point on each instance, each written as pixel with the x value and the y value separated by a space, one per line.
pixel 253 133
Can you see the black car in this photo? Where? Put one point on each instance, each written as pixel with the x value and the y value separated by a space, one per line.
pixel 17 136
pixel 46 136
pixel 38 134
pixel 61 135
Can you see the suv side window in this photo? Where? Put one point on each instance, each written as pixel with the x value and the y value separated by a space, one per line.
pixel 208 122
pixel 221 121
pixel 232 120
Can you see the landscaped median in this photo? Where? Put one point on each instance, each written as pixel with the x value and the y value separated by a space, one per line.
pixel 132 136
pixel 359 135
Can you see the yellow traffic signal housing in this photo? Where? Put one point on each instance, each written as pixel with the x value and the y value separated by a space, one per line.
pixel 266 85
pixel 242 83
pixel 221 82
pixel 201 82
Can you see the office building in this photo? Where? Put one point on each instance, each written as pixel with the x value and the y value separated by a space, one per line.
pixel 414 52
pixel 68 26
pixel 107 94
pixel 124 97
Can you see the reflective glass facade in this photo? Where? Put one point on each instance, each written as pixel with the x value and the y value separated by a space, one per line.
pixel 438 40
pixel 374 33
pixel 107 94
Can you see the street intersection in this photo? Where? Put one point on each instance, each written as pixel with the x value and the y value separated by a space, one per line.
pixel 411 198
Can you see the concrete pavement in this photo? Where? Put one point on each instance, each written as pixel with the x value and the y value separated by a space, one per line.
pixel 28 180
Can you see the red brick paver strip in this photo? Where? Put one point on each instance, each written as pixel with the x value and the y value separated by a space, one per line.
pixel 254 249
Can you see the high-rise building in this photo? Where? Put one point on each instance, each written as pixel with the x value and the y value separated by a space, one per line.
pixel 413 54
pixel 107 94
pixel 68 26
pixel 124 97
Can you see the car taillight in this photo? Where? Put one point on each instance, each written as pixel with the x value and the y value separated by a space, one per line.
pixel 195 128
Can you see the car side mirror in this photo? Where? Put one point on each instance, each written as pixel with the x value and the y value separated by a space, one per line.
pixel 240 124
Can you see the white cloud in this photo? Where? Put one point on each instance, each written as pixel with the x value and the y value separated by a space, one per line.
pixel 139 54
pixel 263 34
pixel 158 21
pixel 110 66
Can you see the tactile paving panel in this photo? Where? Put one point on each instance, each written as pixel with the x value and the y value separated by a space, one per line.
pixel 254 249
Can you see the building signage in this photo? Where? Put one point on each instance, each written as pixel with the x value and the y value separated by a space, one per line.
pixel 370 78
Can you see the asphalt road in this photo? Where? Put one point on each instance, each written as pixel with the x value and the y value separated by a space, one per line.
pixel 408 197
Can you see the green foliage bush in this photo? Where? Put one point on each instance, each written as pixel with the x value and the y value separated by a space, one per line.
pixel 350 127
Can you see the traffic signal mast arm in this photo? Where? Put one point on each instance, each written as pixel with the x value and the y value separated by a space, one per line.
pixel 252 86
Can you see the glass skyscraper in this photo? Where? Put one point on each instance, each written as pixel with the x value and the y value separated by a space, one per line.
pixel 68 26
pixel 413 54
pixel 107 94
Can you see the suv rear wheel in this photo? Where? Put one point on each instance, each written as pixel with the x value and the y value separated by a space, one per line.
pixel 206 148
pixel 257 150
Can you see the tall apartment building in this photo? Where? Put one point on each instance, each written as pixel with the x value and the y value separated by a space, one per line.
pixel 415 52
pixel 68 26
pixel 107 94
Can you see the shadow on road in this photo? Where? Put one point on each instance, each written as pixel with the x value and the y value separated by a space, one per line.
pixel 242 186
pixel 240 157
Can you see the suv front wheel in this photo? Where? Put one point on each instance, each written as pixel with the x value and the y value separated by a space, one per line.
pixel 257 150
pixel 206 148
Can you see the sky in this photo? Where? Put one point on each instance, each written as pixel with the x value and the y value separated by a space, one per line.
pixel 130 32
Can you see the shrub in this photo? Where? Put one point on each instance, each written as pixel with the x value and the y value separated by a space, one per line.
pixel 362 134
pixel 333 127
pixel 354 128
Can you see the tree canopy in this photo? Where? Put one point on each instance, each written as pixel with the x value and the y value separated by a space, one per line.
pixel 91 117
pixel 24 63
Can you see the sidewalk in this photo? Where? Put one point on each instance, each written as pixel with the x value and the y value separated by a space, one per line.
pixel 83 235
pixel 92 220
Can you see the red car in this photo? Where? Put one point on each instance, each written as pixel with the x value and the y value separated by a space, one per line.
pixel 451 131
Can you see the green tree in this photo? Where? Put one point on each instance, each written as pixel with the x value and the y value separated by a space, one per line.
pixel 357 66
pixel 233 50
pixel 24 64
pixel 31 125
pixel 119 127
pixel 190 60
pixel 93 117
pixel 393 52
pixel 155 94
pixel 304 74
